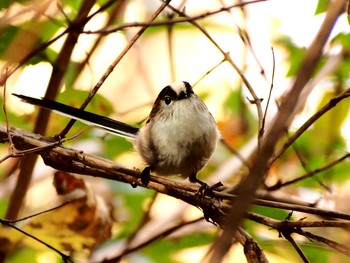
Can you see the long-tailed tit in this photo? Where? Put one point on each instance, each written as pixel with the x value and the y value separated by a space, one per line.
pixel 179 136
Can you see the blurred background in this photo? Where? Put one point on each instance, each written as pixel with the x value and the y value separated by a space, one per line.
pixel 255 36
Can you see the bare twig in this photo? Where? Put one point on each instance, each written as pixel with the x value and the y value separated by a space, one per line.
pixel 331 104
pixel 34 215
pixel 270 92
pixel 296 246
pixel 152 239
pixel 279 185
pixel 5 111
pixel 208 72
pixel 342 248
pixel 22 153
pixel 173 21
pixel 252 250
pixel 10 223
pixel 227 58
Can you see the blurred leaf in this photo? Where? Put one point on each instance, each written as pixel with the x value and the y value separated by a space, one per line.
pixel 134 202
pixel 233 101
pixel 343 39
pixel 169 246
pixel 322 6
pixel 316 252
pixel 28 255
pixel 74 97
pixel 78 226
pixel 3 207
pixel 115 146
pixel 295 54
pixel 240 123
pixel 71 7
pixel 6 36
pixel 22 122
pixel 7 3
pixel 275 213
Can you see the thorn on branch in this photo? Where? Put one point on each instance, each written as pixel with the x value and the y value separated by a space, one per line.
pixel 253 101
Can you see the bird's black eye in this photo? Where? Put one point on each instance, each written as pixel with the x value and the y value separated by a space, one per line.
pixel 167 100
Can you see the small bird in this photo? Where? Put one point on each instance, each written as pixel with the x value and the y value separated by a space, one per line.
pixel 178 138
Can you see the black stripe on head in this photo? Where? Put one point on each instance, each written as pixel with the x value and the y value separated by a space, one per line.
pixel 167 92
pixel 187 92
pixel 189 89
pixel 168 95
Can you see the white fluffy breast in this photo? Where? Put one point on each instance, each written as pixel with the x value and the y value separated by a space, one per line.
pixel 181 135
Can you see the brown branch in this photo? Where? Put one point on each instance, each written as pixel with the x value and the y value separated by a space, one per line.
pixel 214 210
pixel 342 248
pixel 287 227
pixel 23 153
pixel 252 250
pixel 276 224
pixel 71 160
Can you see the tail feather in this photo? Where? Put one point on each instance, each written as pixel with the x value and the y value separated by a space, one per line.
pixel 89 118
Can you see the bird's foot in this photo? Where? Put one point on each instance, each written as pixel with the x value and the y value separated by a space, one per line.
pixel 145 175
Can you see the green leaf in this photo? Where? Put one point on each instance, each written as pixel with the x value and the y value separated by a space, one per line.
pixel 342 39
pixel 274 213
pixel 30 255
pixel 6 36
pixel 7 3
pixel 169 247
pixel 295 54
pixel 115 146
pixel 322 6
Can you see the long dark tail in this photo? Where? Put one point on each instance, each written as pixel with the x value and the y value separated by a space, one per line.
pixel 89 118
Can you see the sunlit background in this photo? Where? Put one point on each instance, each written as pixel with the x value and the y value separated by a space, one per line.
pixel 163 55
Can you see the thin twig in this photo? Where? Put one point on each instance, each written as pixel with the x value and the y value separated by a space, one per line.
pixel 64 257
pixel 208 72
pixel 114 64
pixel 331 104
pixel 270 92
pixel 5 110
pixel 152 239
pixel 296 247
pixel 279 185
pixel 35 215
pixel 342 248
pixel 38 149
pixel 227 58
pixel 173 21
